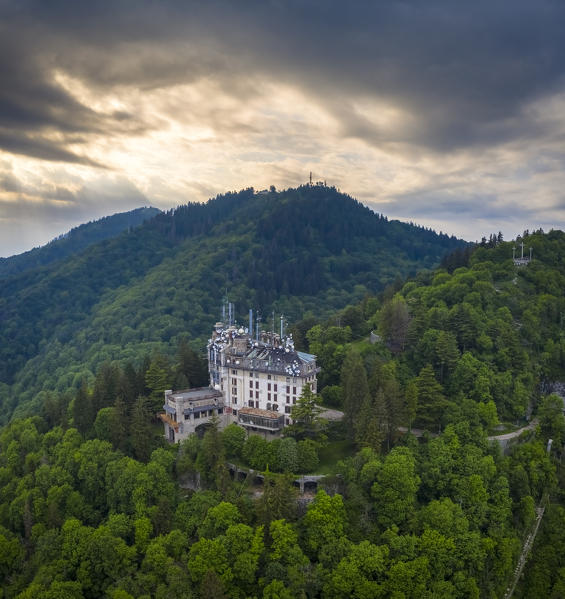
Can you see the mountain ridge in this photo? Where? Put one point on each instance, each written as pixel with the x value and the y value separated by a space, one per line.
pixel 310 248
pixel 75 240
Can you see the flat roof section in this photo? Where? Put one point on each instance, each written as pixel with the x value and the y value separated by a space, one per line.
pixel 261 413
pixel 197 394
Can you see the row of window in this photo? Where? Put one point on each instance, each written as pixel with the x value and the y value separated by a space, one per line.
pixel 269 377
pixel 274 407
pixel 204 414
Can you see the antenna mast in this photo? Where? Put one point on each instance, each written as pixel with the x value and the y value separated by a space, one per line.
pixel 273 333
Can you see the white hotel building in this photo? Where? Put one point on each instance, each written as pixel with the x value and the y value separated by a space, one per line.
pixel 254 382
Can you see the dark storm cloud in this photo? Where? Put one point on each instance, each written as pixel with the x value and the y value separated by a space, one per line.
pixel 33 106
pixel 464 72
pixel 18 142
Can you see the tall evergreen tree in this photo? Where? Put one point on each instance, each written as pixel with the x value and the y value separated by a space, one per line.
pixel 305 414
pixel 106 386
pixel 140 429
pixel 157 379
pixel 431 401
pixel 372 425
pixel 355 390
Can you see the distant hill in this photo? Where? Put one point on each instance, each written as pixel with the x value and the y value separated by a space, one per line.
pixel 310 248
pixel 75 240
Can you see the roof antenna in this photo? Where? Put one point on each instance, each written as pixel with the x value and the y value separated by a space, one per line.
pixel 282 326
pixel 310 178
pixel 251 323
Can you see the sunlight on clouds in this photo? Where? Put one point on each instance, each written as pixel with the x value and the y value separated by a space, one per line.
pixel 192 141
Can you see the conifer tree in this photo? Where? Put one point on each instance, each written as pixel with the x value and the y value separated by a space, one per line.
pixel 372 425
pixel 140 434
pixel 157 379
pixel 305 414
pixel 431 401
pixel 355 390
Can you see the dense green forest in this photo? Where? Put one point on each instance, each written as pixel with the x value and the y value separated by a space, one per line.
pixel 75 241
pixel 93 503
pixel 310 248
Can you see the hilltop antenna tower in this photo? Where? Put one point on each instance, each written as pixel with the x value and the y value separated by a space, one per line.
pixel 310 178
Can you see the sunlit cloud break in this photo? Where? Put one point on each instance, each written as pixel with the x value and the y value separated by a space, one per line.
pixel 104 108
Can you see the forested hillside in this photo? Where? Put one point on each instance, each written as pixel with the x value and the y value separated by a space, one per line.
pixel 94 503
pixel 126 297
pixel 75 241
pixel 482 336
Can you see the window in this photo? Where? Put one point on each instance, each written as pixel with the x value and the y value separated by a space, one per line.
pixel 294 400
pixel 294 390
pixel 269 377
pixel 251 405
pixel 275 407
pixel 287 409
pixel 234 381
pixel 256 384
pixel 275 397
pixel 269 396
pixel 288 399
pixel 269 386
pixel 196 415
pixel 256 394
pixel 251 384
pixel 220 410
pixel 268 406
pixel 234 399
pixel 234 371
pixel 250 393
pixel 234 390
pixel 288 379
pixel 276 388
pixel 288 389
pixel 187 416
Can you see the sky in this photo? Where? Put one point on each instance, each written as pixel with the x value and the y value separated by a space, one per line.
pixel 448 114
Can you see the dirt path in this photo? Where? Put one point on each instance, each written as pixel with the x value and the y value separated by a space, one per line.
pixel 514 434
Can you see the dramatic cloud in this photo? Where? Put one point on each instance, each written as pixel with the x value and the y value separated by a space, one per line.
pixel 448 114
